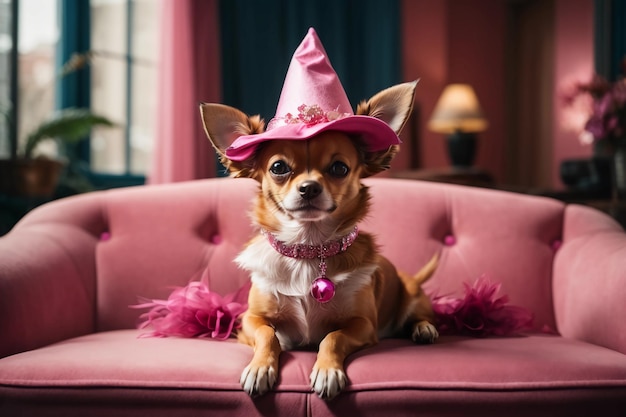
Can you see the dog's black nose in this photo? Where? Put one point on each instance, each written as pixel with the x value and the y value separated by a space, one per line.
pixel 310 189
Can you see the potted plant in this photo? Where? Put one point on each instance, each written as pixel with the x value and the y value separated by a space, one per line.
pixel 27 175
pixel 30 176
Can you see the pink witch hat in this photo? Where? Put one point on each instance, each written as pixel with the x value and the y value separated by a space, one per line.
pixel 313 101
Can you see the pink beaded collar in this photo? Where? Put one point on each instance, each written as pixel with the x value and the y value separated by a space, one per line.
pixel 322 289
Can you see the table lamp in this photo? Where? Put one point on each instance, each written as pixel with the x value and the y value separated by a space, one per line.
pixel 459 116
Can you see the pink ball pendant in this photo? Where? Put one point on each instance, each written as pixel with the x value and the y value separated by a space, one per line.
pixel 323 289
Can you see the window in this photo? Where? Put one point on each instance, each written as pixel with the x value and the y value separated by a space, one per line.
pixel 119 82
pixel 27 72
pixel 123 84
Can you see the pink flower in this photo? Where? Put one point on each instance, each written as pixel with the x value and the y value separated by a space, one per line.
pixel 195 311
pixel 480 312
pixel 308 115
pixel 607 118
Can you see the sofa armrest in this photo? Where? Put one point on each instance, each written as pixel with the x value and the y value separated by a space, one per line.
pixel 590 279
pixel 48 275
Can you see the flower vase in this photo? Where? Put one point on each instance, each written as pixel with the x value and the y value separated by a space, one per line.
pixel 619 170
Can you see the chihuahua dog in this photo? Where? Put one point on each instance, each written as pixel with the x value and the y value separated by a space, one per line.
pixel 317 281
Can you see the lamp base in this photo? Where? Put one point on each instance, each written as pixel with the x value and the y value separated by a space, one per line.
pixel 462 149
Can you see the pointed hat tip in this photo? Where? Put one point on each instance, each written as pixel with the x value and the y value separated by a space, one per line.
pixel 312 80
pixel 311 41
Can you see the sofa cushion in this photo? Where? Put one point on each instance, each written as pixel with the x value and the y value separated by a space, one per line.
pixel 161 236
pixel 510 238
pixel 167 373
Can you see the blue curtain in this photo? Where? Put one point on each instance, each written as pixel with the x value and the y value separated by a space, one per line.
pixel 361 37
pixel 610 37
pixel 618 40
pixel 73 90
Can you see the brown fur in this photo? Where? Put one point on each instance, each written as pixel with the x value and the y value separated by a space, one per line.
pixel 372 298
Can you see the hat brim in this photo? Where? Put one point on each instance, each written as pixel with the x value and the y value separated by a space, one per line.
pixel 375 134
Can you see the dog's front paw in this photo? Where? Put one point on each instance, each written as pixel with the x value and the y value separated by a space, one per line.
pixel 328 382
pixel 257 380
pixel 424 332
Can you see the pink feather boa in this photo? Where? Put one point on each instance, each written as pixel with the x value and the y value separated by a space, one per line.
pixel 196 311
pixel 480 312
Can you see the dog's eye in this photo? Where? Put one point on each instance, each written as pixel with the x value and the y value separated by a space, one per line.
pixel 280 168
pixel 338 169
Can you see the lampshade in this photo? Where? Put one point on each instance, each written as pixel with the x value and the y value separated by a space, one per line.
pixel 457 110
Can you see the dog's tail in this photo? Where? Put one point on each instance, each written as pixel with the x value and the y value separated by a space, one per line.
pixel 413 283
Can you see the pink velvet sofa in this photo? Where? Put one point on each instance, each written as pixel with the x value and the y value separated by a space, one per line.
pixel 70 269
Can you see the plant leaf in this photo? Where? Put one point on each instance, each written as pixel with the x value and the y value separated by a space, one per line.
pixel 69 125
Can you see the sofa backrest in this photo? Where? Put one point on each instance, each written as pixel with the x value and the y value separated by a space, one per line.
pixel 510 238
pixel 149 239
pixel 158 237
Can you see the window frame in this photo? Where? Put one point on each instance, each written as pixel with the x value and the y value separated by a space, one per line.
pixel 11 122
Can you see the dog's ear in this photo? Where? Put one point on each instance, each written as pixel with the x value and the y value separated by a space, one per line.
pixel 222 125
pixel 393 106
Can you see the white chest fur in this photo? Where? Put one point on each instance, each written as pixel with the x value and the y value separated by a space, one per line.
pixel 301 320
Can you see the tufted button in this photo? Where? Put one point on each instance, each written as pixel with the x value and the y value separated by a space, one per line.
pixel 556 244
pixel 449 240
pixel 104 236
pixel 216 239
